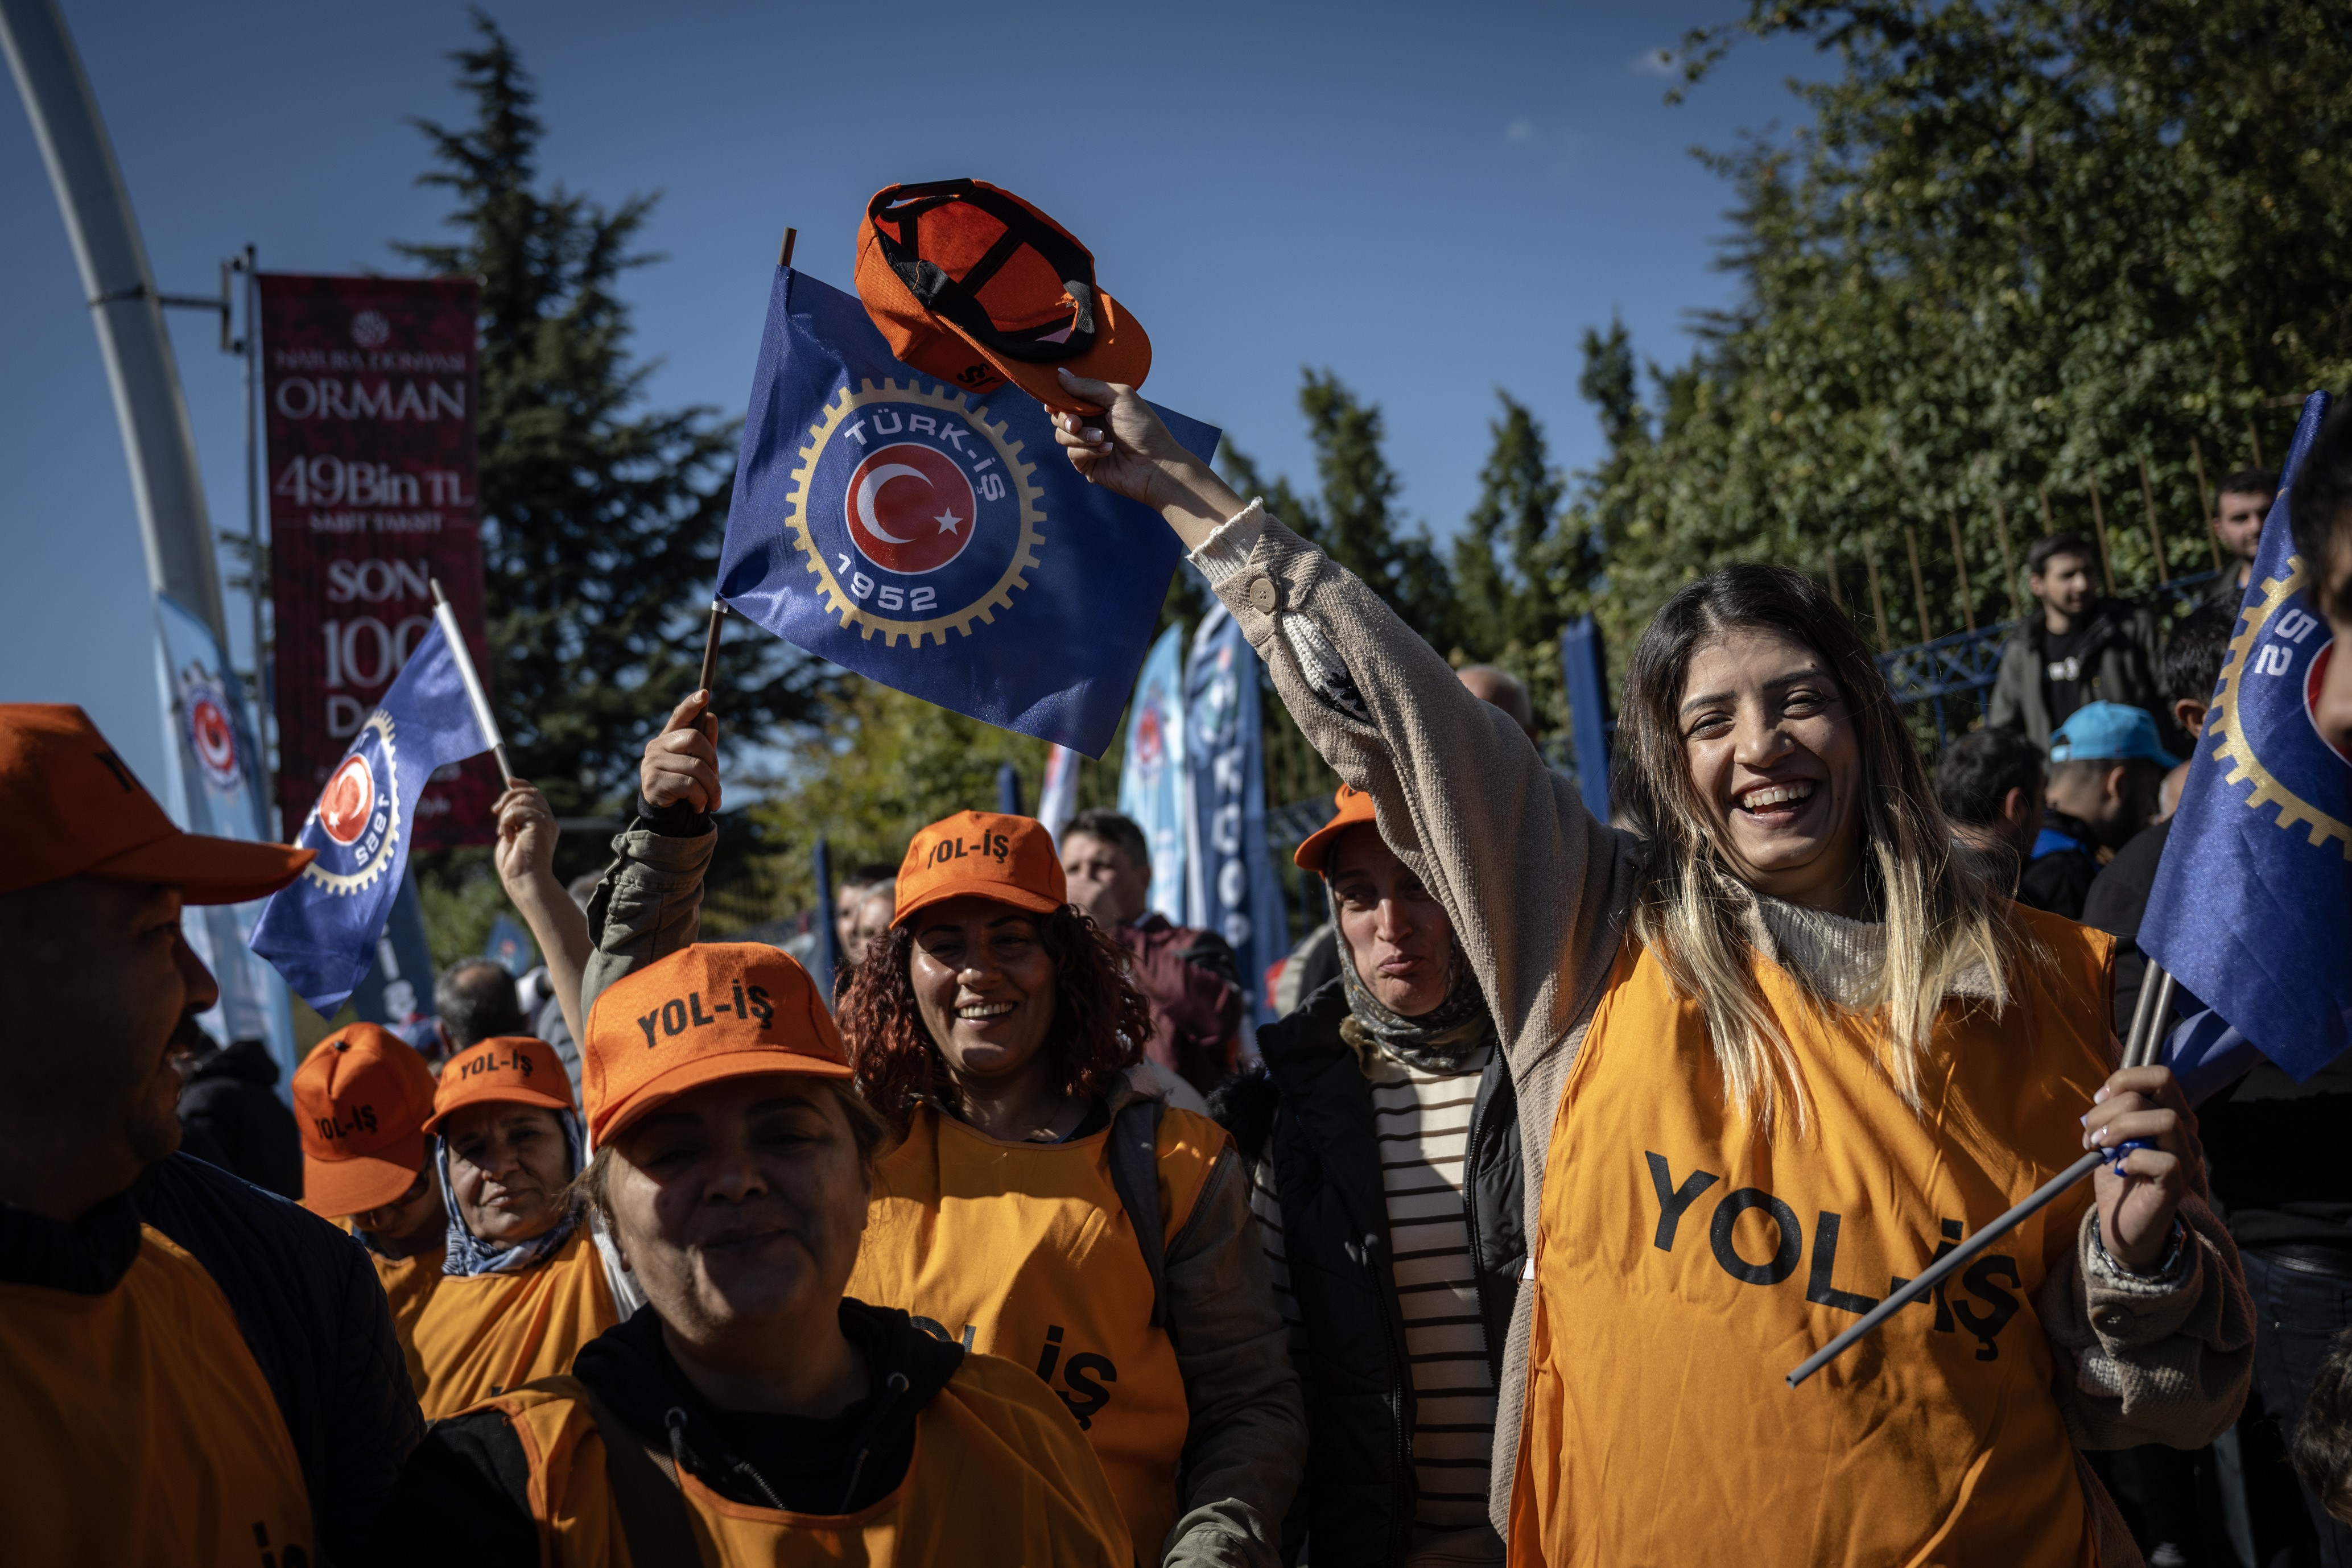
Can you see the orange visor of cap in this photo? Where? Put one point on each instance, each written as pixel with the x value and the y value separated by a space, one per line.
pixel 361 1101
pixel 975 287
pixel 1314 854
pixel 984 854
pixel 716 1010
pixel 512 1069
pixel 76 809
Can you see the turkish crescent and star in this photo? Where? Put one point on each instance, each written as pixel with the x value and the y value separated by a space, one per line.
pixel 872 484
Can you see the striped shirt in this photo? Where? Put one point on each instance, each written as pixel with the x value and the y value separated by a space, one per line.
pixel 1421 1120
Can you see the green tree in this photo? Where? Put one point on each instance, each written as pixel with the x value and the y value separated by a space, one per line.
pixel 2023 248
pixel 602 521
pixel 1514 573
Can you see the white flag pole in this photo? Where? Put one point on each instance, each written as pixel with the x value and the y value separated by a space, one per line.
pixel 447 620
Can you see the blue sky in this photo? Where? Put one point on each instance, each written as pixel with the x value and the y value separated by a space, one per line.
pixel 1432 202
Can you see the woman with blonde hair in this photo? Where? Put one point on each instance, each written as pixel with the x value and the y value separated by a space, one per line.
pixel 1768 1062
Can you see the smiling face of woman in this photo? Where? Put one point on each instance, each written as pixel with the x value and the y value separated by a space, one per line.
pixel 740 1202
pixel 985 985
pixel 1397 932
pixel 508 1170
pixel 1776 764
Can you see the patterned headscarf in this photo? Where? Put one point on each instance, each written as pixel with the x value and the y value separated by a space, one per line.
pixel 1440 1039
pixel 470 1254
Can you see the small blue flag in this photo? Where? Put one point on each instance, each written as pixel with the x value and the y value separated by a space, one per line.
pixel 936 544
pixel 1234 891
pixel 320 931
pixel 2251 908
pixel 510 947
pixel 1152 776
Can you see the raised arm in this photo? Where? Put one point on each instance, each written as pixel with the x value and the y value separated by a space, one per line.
pixel 526 862
pixel 1536 888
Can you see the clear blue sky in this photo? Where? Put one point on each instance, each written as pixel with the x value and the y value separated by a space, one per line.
pixel 1432 201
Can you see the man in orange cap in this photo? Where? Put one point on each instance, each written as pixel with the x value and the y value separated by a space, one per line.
pixel 190 1369
pixel 361 1101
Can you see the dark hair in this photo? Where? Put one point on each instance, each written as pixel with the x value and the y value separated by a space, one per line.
pixel 595 1184
pixel 2194 651
pixel 2249 482
pixel 874 873
pixel 1121 833
pixel 476 1002
pixel 2321 509
pixel 1977 771
pixel 2037 558
pixel 2323 1435
pixel 1100 1020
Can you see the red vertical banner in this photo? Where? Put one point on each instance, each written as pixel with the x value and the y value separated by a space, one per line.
pixel 370 387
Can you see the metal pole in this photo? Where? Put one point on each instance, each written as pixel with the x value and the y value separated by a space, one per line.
pixel 124 307
pixel 829 934
pixel 446 617
pixel 265 708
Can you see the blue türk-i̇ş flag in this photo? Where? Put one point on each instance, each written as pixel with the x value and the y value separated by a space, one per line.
pixel 2251 908
pixel 933 541
pixel 320 931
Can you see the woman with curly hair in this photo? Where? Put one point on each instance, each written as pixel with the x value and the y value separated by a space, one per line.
pixel 1044 1201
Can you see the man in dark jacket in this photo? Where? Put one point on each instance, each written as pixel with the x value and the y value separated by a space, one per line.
pixel 95 978
pixel 230 1099
pixel 1191 977
pixel 2075 649
pixel 2239 512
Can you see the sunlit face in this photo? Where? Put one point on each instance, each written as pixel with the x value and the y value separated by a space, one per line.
pixel 2238 523
pixel 1105 880
pixel 739 1201
pixel 2063 583
pixel 985 985
pixel 1777 764
pixel 1397 932
pixel 415 1212
pixel 508 1169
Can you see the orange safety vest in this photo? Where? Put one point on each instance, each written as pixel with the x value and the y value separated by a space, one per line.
pixel 1024 1250
pixel 408 1283
pixel 1683 1264
pixel 485 1333
pixel 135 1426
pixel 997 1478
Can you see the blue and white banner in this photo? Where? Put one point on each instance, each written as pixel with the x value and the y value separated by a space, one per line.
pixel 215 788
pixel 321 931
pixel 1233 889
pixel 1057 802
pixel 1151 782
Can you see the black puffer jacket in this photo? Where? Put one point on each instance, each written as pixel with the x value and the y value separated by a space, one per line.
pixel 1312 1114
pixel 232 1100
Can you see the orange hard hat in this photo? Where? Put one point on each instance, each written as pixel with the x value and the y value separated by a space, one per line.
pixel 75 810
pixel 1315 852
pixel 512 1069
pixel 715 1010
pixel 987 855
pixel 361 1101
pixel 975 287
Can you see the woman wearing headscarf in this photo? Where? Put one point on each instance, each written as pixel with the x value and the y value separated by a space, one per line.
pixel 750 1413
pixel 1767 1062
pixel 1383 1137
pixel 524 1285
pixel 1042 1201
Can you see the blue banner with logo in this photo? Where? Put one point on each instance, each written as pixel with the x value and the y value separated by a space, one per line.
pixel 931 541
pixel 1151 781
pixel 1234 891
pixel 2251 908
pixel 320 931
pixel 216 786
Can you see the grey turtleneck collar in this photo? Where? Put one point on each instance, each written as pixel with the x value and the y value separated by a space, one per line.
pixel 1839 958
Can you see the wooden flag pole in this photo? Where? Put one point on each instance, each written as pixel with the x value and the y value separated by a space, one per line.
pixel 2155 534
pixel 710 650
pixel 447 618
pixel 2099 526
pixel 785 251
pixel 1960 565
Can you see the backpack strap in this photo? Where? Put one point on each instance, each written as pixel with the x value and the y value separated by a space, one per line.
pixel 1135 1176
pixel 645 1494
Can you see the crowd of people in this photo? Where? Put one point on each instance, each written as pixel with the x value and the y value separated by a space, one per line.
pixel 1567 1143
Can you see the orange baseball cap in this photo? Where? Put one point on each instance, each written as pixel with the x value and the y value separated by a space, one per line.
pixel 987 854
pixel 74 810
pixel 715 1010
pixel 512 1069
pixel 360 1100
pixel 976 287
pixel 1315 852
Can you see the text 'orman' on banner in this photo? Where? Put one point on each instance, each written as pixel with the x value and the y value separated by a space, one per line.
pixel 369 389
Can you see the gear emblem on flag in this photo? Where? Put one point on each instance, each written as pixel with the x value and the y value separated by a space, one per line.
pixel 355 825
pixel 914 512
pixel 2261 668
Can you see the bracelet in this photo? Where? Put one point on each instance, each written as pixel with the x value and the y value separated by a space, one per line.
pixel 2165 1267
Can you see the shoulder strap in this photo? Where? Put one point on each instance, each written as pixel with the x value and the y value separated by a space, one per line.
pixel 645 1495
pixel 1135 1175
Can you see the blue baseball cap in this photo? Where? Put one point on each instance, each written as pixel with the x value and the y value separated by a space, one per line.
pixel 2108 732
